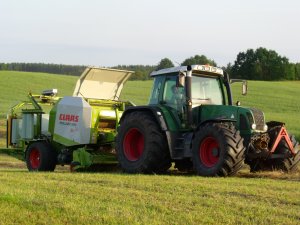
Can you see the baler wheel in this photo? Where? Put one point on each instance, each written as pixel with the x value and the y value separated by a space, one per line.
pixel 218 150
pixel 141 145
pixel 40 157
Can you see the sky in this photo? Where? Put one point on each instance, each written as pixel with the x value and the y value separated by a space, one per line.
pixel 131 32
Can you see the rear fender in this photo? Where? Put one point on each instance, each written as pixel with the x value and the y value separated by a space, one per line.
pixel 154 111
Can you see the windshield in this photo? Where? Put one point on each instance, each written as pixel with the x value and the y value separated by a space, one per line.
pixel 206 90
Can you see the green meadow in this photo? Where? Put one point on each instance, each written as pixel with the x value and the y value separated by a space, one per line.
pixel 114 198
pixel 278 100
pixel 111 197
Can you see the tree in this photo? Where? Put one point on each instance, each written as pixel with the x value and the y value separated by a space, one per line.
pixel 297 71
pixel 262 64
pixel 243 65
pixel 198 59
pixel 42 67
pixel 164 63
pixel 141 71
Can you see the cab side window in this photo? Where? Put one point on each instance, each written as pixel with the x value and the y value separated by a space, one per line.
pixel 157 87
pixel 174 96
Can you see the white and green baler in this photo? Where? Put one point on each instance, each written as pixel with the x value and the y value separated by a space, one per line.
pixel 76 130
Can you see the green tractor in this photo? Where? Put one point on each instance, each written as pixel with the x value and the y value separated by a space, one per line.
pixel 191 121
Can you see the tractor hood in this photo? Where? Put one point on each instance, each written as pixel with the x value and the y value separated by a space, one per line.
pixel 101 83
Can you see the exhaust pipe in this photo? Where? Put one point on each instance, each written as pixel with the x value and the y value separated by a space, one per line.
pixel 188 90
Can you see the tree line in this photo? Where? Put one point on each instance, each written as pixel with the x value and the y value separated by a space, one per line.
pixel 74 70
pixel 252 64
pixel 263 64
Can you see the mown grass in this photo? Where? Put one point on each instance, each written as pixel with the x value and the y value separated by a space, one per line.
pixel 106 198
pixel 115 198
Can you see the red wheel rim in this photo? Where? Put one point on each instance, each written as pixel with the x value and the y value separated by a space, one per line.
pixel 133 144
pixel 209 152
pixel 35 158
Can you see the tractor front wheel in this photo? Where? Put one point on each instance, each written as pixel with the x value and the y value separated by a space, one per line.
pixel 141 145
pixel 40 157
pixel 218 150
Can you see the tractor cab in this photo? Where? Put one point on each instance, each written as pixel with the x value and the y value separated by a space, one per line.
pixel 172 92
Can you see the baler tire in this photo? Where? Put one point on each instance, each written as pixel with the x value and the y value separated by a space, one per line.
pixel 40 157
pixel 218 150
pixel 141 145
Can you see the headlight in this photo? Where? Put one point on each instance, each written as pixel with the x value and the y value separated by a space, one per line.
pixel 265 127
pixel 253 126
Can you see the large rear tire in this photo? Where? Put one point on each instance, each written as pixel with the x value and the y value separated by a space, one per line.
pixel 218 150
pixel 40 157
pixel 141 145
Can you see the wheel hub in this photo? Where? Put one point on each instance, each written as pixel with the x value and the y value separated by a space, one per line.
pixel 209 152
pixel 215 152
pixel 35 158
pixel 133 144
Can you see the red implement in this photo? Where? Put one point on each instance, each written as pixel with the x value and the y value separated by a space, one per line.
pixel 283 134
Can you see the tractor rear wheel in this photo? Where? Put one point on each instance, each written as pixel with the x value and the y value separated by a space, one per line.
pixel 141 145
pixel 40 157
pixel 218 150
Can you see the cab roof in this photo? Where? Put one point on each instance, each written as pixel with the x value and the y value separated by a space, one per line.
pixel 206 69
pixel 101 83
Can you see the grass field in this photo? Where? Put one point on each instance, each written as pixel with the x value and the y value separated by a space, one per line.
pixel 115 198
pixel 278 100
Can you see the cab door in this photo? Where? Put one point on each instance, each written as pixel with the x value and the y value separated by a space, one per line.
pixel 173 98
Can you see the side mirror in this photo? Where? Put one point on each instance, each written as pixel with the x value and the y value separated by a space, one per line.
pixel 180 81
